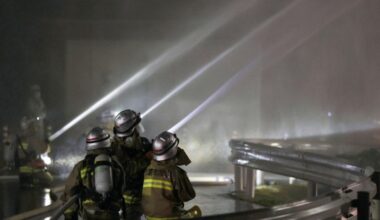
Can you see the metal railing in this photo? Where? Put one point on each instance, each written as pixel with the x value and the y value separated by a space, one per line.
pixel 353 184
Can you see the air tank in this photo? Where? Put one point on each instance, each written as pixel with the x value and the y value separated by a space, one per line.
pixel 103 174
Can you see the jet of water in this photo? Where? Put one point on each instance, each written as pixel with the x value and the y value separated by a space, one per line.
pixel 218 58
pixel 218 93
pixel 277 52
pixel 183 46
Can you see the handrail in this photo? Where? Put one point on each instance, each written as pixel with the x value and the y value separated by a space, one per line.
pixel 303 165
pixel 347 178
pixel 63 208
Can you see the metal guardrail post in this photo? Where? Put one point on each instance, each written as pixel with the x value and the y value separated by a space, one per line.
pixel 363 204
pixel 245 181
pixel 244 174
pixel 312 189
pixel 250 182
pixel 238 178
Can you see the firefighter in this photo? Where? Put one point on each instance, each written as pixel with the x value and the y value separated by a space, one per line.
pixel 166 186
pixel 8 150
pixel 98 181
pixel 134 152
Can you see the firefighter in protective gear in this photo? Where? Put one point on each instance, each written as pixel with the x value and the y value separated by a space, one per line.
pixel 166 186
pixel 134 152
pixel 98 180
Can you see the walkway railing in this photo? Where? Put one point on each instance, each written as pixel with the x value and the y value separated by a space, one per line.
pixel 356 187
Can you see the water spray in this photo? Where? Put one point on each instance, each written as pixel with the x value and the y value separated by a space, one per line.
pixel 218 93
pixel 183 46
pixel 218 58
pixel 271 54
pixel 186 82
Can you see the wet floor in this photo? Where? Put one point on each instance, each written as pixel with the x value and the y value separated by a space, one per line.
pixel 211 199
pixel 215 200
pixel 15 199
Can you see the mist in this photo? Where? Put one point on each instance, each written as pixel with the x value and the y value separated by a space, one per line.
pixel 316 69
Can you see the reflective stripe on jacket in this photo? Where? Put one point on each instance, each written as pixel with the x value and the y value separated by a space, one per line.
pixel 165 188
pixel 131 199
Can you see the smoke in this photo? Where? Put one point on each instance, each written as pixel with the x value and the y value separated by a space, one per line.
pixel 182 47
pixel 275 53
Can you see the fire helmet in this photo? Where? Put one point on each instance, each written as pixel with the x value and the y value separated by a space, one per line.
pixel 126 122
pixel 165 146
pixel 97 138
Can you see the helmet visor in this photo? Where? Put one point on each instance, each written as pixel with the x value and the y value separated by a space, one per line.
pixel 98 145
pixel 126 133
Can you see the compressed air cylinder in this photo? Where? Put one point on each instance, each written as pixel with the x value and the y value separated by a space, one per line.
pixel 103 174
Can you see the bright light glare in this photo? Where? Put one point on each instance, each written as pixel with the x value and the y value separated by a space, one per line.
pixel 210 178
pixel 47 199
pixel 45 157
pixel 275 144
pixel 292 180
